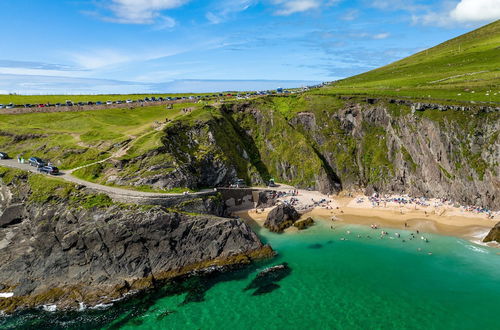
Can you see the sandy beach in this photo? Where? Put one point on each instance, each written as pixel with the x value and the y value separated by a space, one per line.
pixel 394 211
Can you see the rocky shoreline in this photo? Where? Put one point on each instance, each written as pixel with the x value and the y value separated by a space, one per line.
pixel 65 246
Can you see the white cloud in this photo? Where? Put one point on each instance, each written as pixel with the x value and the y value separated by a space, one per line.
pixel 100 59
pixel 476 11
pixel 456 12
pixel 350 15
pixel 381 36
pixel 289 7
pixel 141 11
pixel 224 10
pixel 28 71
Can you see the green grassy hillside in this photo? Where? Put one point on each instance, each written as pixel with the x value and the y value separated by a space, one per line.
pixel 71 139
pixel 466 68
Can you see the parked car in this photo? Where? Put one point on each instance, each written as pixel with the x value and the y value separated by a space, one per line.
pixel 69 103
pixel 2 106
pixel 37 162
pixel 98 103
pixel 49 170
pixel 271 183
pixel 58 105
pixel 10 106
pixel 3 155
pixel 27 105
pixel 109 102
pixel 238 183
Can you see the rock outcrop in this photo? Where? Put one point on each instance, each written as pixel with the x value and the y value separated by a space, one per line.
pixel 493 235
pixel 63 250
pixel 281 217
pixel 267 280
pixel 304 224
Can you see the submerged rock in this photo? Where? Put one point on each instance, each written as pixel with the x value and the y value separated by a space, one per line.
pixel 304 224
pixel 281 217
pixel 265 281
pixel 494 234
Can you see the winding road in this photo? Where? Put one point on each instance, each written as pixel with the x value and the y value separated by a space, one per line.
pixel 112 191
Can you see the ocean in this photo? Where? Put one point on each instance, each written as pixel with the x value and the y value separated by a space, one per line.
pixel 335 280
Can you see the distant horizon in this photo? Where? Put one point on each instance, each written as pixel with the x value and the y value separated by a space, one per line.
pixel 49 85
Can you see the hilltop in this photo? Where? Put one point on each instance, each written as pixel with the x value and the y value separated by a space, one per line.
pixel 466 68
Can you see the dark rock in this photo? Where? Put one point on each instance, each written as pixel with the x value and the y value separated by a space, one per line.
pixel 63 255
pixel 281 217
pixel 315 246
pixel 304 224
pixel 494 234
pixel 11 215
pixel 370 190
pixel 265 281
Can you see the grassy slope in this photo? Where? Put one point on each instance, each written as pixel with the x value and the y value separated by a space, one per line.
pixel 463 69
pixel 70 139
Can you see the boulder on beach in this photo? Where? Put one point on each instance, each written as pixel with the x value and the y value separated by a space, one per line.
pixel 281 217
pixel 494 235
pixel 304 223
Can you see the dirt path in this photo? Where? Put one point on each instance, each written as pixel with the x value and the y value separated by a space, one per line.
pixel 12 163
pixel 119 153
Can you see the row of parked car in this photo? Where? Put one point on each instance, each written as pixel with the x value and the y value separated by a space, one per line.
pixel 43 166
pixel 70 103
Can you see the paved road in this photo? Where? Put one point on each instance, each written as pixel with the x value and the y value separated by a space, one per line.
pixel 12 163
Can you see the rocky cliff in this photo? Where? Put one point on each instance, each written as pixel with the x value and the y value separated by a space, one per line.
pixel 328 143
pixel 63 245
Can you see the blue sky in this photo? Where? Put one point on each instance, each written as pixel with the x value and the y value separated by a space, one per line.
pixel 144 43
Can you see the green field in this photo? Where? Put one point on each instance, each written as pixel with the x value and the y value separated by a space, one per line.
pixel 465 69
pixel 71 139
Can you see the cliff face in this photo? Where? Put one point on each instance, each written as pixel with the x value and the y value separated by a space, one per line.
pixel 389 148
pixel 328 144
pixel 63 252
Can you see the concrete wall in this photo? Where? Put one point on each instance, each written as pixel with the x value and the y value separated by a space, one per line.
pixel 245 198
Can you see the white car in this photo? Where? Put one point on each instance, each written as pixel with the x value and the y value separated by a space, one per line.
pixel 128 101
pixel 109 102
pixel 2 106
pixel 10 106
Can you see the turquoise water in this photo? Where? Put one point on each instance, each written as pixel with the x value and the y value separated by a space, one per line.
pixel 358 283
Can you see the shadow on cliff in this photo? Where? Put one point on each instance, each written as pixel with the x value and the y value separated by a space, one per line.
pixel 249 145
